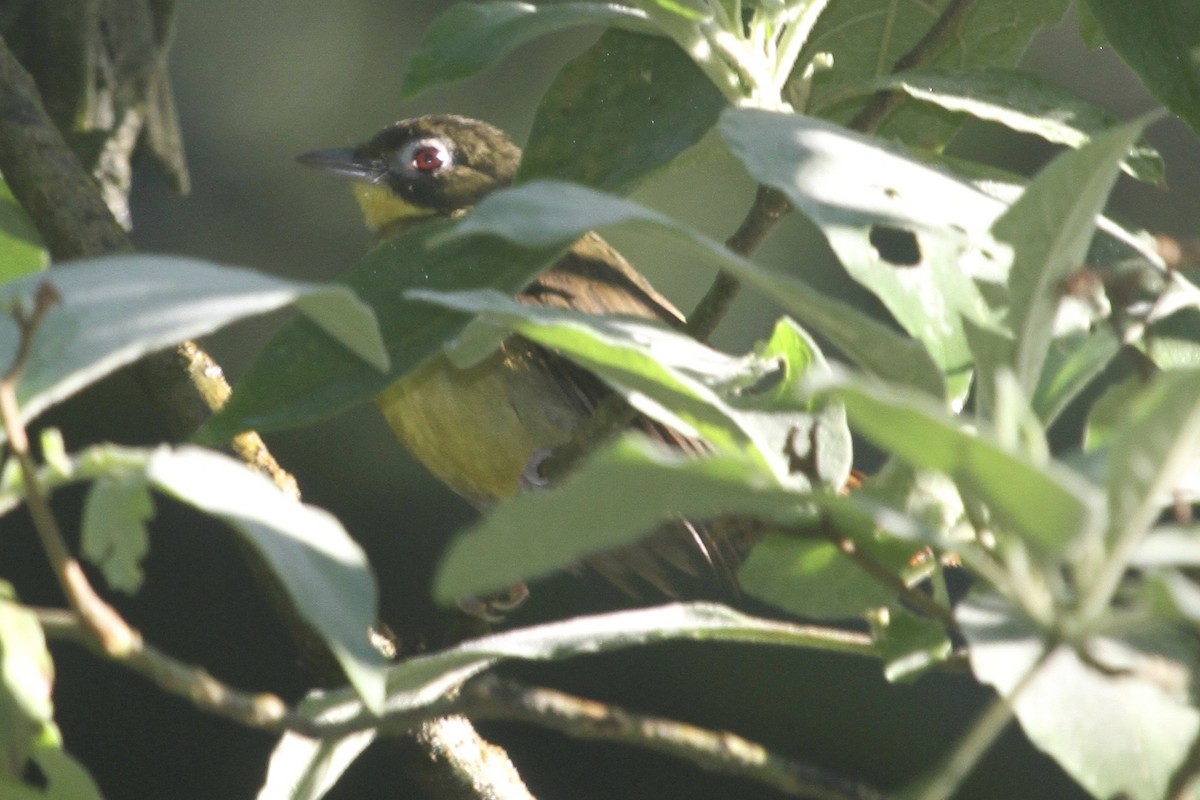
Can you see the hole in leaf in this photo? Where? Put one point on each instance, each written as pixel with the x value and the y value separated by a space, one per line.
pixel 896 245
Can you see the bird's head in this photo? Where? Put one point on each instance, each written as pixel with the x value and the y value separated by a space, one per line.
pixel 432 166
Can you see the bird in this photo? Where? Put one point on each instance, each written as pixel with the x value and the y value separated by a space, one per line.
pixel 479 429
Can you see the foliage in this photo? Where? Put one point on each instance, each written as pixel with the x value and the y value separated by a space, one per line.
pixel 1008 298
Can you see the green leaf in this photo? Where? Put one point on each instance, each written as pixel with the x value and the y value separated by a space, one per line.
pixel 686 385
pixel 621 110
pixel 471 36
pixel 66 778
pixel 866 39
pixel 912 234
pixel 1160 40
pixel 422 680
pixel 323 570
pixel 22 251
pixel 1048 504
pixel 547 213
pixel 911 645
pixel 303 375
pixel 1119 732
pixel 1049 229
pixel 114 534
pixel 114 310
pixel 1072 362
pixel 539 532
pixel 1156 445
pixel 810 578
pixel 1023 102
pixel 306 769
pixel 26 681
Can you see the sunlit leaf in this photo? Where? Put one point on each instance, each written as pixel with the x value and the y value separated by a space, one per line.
pixel 422 680
pixel 539 532
pixel 546 213
pixel 323 570
pixel 303 375
pixel 1024 102
pixel 114 535
pixel 1120 732
pixel 116 309
pixel 1047 503
pixel 912 234
pixel 1049 229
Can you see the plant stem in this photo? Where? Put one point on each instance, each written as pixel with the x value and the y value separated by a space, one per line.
pixel 975 744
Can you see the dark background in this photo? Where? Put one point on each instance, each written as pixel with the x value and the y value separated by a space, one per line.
pixel 257 83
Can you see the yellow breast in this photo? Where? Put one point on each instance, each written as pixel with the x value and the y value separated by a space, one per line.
pixel 477 429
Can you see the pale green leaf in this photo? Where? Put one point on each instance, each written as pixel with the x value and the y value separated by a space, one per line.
pixel 1025 102
pixel 914 235
pixel 422 680
pixel 1118 732
pixel 688 386
pixel 115 309
pixel 1155 447
pixel 1047 503
pixel 539 532
pixel 323 570
pixel 546 213
pixel 1049 229
pixel 114 535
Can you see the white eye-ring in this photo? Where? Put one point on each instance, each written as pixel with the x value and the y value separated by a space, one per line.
pixel 429 156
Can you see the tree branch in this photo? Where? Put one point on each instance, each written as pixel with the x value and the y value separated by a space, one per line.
pixel 719 751
pixel 882 104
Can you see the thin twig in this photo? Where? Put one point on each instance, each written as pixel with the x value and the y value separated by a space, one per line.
pixel 975 743
pixel 883 103
pixel 913 596
pixel 719 751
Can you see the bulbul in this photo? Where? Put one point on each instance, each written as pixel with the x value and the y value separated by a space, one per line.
pixel 479 429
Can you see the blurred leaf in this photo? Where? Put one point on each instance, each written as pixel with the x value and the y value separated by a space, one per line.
pixel 811 578
pixel 618 495
pixel 1023 102
pixel 1174 343
pixel 1072 362
pixel 624 108
pixel 547 213
pixel 26 681
pixel 911 645
pixel 115 309
pixel 114 534
pixel 1048 504
pixel 699 392
pixel 424 679
pixel 1168 546
pixel 1160 40
pixel 323 570
pixel 22 251
pixel 471 36
pixel 1155 448
pixel 1049 229
pixel 1119 733
pixel 866 39
pixel 303 375
pixel 910 233
pixel 66 779
pixel 306 769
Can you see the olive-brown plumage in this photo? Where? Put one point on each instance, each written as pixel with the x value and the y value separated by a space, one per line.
pixel 479 429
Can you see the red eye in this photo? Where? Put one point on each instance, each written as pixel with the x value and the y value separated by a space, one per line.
pixel 427 159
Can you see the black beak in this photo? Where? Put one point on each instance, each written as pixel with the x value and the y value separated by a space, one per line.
pixel 343 162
